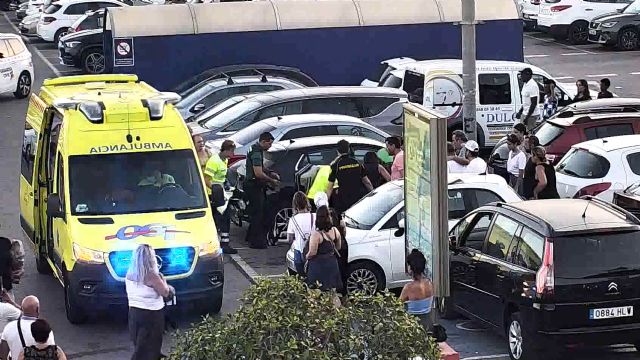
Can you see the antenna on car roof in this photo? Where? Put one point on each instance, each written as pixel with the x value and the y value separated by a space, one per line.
pixel 584 213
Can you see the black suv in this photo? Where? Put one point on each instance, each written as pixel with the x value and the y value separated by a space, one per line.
pixel 83 48
pixel 545 280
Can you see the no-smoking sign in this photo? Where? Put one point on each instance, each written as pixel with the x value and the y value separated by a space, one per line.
pixel 123 52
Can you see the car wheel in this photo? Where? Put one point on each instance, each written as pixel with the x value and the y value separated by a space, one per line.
pixel 75 314
pixel 211 306
pixel 280 223
pixel 628 40
pixel 365 277
pixel 520 346
pixel 59 34
pixel 23 87
pixel 93 61
pixel 445 308
pixel 579 33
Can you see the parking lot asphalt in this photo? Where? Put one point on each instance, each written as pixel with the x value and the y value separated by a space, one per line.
pixel 592 62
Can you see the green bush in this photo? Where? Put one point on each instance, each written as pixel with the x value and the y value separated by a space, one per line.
pixel 283 319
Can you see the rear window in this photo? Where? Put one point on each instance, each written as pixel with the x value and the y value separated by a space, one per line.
pixel 599 132
pixel 583 164
pixel 52 9
pixel 548 132
pixel 391 81
pixel 595 255
pixel 634 162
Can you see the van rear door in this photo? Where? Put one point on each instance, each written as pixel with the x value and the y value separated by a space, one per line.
pixel 597 280
pixel 32 126
pixel 497 103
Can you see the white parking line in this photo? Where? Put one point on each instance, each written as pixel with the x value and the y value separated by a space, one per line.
pixel 11 23
pixel 499 356
pixel 574 54
pixel 555 42
pixel 635 73
pixel 535 56
pixel 602 75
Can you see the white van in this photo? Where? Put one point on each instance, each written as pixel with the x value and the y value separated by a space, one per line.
pixel 437 84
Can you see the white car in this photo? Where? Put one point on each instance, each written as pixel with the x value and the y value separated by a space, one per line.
pixel 384 69
pixel 599 167
pixel 291 127
pixel 16 68
pixel 570 18
pixel 60 16
pixel 29 25
pixel 376 255
pixel 530 9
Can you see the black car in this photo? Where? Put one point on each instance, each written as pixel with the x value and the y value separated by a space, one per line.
pixel 620 29
pixel 546 281
pixel 83 49
pixel 290 159
pixel 629 199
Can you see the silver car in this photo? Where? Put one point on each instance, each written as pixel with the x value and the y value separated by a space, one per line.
pixel 380 107
pixel 291 127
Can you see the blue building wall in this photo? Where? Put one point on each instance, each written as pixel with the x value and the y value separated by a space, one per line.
pixel 334 56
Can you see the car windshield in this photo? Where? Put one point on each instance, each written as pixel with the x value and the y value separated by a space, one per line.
pixel 251 133
pixel 126 183
pixel 547 132
pixel 596 255
pixel 583 164
pixel 633 8
pixel 52 9
pixel 225 117
pixel 367 212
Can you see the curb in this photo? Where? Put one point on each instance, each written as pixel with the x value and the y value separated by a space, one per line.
pixel 447 352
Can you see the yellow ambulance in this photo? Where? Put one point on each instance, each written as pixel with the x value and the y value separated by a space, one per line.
pixel 107 164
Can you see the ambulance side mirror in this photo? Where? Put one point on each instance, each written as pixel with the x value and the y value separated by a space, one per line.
pixel 400 230
pixel 54 206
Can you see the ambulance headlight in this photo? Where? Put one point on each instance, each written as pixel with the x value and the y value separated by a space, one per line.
pixel 93 111
pixel 83 254
pixel 155 107
pixel 209 249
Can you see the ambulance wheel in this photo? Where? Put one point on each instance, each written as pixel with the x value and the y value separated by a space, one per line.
pixel 42 265
pixel 211 306
pixel 23 87
pixel 75 314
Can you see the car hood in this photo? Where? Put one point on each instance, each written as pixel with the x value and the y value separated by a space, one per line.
pixel 79 35
pixel 30 19
pixel 615 17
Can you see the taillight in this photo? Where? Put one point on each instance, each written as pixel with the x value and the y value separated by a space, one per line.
pixel 48 20
pixel 544 277
pixel 593 190
pixel 235 159
pixel 559 8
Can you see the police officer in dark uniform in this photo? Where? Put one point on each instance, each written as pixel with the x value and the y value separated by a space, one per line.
pixel 353 182
pixel 255 184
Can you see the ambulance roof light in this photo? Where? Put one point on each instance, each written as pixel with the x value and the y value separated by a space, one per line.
pixel 93 111
pixel 156 104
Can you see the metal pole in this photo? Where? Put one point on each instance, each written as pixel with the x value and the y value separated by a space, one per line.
pixel 468 25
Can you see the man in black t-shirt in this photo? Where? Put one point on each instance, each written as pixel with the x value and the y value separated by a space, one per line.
pixel 529 176
pixel 353 182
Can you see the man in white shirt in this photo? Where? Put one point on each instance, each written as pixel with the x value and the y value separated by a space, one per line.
pixel 529 113
pixel 452 165
pixel 11 342
pixel 9 310
pixel 476 164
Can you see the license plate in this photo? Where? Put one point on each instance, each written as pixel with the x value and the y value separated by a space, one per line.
pixel 611 313
pixel 592 32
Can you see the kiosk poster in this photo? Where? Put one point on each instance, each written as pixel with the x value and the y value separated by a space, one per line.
pixel 417 175
pixel 425 184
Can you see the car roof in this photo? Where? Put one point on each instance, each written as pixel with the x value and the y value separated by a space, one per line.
pixel 322 141
pixel 596 116
pixel 69 2
pixel 609 144
pixel 601 103
pixel 455 65
pixel 291 120
pixel 241 79
pixel 474 179
pixel 599 215
pixel 9 36
pixel 326 91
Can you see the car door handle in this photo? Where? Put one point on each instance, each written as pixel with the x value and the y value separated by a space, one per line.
pixel 500 276
pixel 588 9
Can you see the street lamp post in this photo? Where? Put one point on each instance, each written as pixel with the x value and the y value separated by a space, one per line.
pixel 468 26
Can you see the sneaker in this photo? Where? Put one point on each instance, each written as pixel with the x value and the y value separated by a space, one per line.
pixel 227 249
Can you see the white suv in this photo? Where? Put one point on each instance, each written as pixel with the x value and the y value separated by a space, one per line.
pixel 530 10
pixel 16 68
pixel 570 18
pixel 599 167
pixel 377 250
pixel 60 16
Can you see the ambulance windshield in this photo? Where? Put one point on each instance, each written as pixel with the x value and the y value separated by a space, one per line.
pixel 126 183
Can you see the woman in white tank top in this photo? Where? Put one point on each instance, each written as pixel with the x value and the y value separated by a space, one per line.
pixel 146 290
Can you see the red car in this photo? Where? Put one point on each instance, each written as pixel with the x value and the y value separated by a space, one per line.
pixel 576 123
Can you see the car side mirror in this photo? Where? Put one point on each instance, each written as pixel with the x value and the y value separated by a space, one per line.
pixel 197 108
pixel 54 206
pixel 400 230
pixel 619 11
